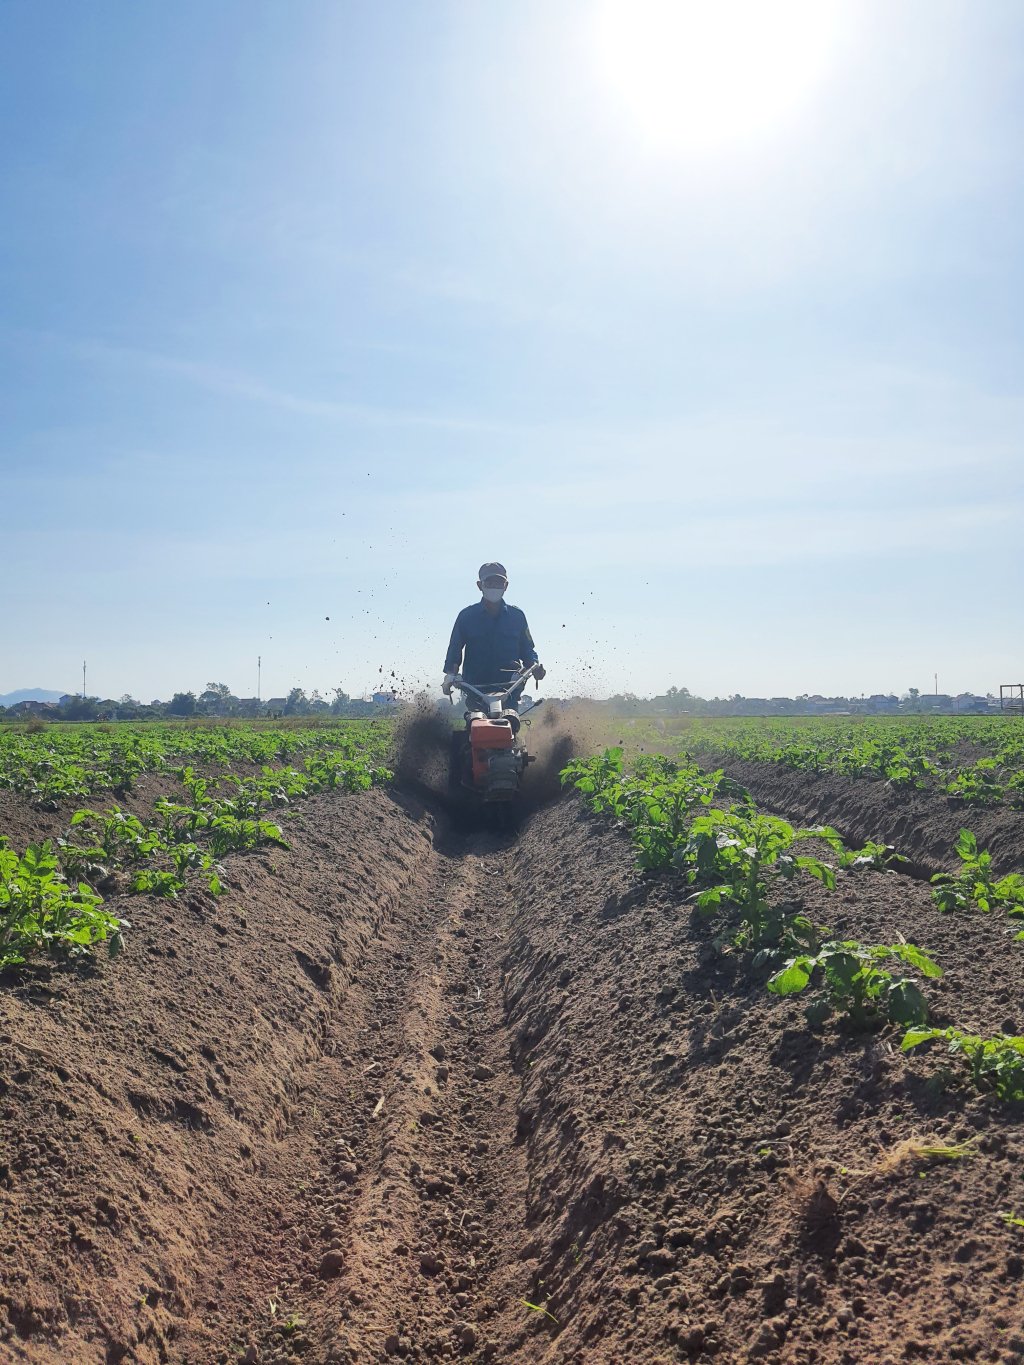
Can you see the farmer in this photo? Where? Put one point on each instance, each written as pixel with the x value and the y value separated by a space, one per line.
pixel 495 637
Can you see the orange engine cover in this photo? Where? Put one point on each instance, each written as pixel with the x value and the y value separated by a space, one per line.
pixel 485 735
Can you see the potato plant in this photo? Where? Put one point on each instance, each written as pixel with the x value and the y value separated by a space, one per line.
pixel 974 886
pixel 741 853
pixel 872 857
pixel 996 1063
pixel 657 801
pixel 731 856
pixel 853 982
pixel 39 910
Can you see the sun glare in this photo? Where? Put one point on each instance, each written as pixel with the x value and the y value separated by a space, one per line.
pixel 697 77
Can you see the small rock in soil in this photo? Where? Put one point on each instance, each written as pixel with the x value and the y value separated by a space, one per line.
pixel 331 1263
pixel 482 1072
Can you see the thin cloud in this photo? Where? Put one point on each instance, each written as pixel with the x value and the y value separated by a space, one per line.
pixel 236 384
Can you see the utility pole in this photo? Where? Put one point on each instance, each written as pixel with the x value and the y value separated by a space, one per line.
pixel 259 677
pixel 936 684
pixel 83 680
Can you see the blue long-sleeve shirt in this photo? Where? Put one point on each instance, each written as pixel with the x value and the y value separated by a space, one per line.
pixel 492 643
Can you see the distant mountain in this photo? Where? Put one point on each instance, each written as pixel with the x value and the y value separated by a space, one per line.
pixel 29 694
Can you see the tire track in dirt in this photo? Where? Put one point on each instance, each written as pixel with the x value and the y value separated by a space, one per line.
pixel 417 1182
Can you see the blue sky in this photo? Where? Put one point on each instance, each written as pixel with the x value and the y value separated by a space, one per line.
pixel 310 308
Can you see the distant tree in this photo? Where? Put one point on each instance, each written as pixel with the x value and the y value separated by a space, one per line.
pixel 912 698
pixel 297 703
pixel 182 704
pixel 678 698
pixel 79 708
pixel 217 700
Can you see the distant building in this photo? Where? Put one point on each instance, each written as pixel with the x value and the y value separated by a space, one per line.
pixel 883 701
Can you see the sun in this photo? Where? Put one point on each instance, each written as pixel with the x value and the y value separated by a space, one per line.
pixel 698 77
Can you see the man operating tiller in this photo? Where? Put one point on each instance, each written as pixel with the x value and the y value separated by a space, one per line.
pixel 488 757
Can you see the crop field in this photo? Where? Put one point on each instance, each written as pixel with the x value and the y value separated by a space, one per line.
pixel 717 1055
pixel 976 760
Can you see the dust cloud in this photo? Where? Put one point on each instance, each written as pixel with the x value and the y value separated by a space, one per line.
pixel 552 735
pixel 423 737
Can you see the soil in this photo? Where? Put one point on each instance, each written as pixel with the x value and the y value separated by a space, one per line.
pixel 423 1092
pixel 921 825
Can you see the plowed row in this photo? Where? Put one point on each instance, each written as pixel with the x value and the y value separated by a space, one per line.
pixel 410 1093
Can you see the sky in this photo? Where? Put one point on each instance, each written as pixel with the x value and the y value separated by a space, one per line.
pixel 706 325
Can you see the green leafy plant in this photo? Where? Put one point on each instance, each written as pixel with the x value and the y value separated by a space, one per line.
pixel 974 885
pixel 739 851
pixel 872 857
pixel 996 1063
pixel 980 785
pixel 156 881
pixel 855 984
pixel 40 910
pixel 598 779
pixel 657 801
pixel 117 839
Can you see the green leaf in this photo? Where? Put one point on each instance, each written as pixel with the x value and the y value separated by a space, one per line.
pixel 907 1004
pixel 793 977
pixel 911 953
pixel 536 1308
pixel 914 1037
pixel 967 845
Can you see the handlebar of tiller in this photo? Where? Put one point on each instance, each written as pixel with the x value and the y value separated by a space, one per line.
pixel 526 674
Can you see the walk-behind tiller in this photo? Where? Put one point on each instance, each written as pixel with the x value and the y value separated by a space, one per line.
pixel 488 758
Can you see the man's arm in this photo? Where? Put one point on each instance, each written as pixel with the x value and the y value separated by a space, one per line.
pixel 527 649
pixel 453 659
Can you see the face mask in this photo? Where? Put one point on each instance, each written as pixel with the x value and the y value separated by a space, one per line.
pixel 493 594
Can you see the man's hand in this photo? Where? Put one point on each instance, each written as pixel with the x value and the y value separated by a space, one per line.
pixel 540 672
pixel 446 686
